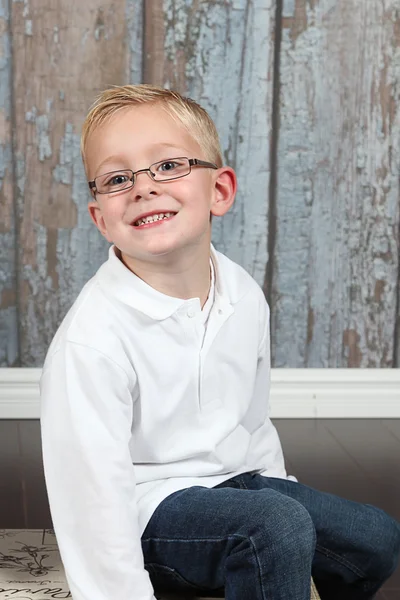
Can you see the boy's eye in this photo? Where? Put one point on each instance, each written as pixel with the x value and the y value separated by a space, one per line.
pixel 171 168
pixel 119 179
pixel 169 165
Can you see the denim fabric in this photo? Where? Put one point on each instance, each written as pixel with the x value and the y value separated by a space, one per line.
pixel 261 538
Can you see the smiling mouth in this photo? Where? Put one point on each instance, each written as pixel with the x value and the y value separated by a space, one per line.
pixel 153 219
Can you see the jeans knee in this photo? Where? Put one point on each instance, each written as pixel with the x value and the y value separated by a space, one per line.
pixel 290 530
pixel 301 532
pixel 391 544
pixel 386 543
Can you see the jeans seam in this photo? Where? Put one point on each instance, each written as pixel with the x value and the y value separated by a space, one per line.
pixel 259 566
pixel 214 539
pixel 341 560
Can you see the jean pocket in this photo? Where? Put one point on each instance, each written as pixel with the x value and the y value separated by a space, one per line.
pixel 166 579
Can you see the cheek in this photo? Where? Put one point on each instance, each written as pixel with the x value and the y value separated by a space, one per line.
pixel 113 214
pixel 195 193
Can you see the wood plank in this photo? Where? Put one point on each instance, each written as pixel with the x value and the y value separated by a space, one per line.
pixel 134 15
pixel 8 299
pixel 320 462
pixel 59 70
pixel 336 268
pixel 396 359
pixel 391 594
pixel 393 425
pixel 12 506
pixel 221 55
pixel 32 474
pixel 377 454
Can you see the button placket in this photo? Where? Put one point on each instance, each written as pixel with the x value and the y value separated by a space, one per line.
pixel 191 322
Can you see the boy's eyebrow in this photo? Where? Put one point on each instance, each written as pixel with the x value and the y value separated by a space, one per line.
pixel 167 145
pixel 117 157
pixel 108 159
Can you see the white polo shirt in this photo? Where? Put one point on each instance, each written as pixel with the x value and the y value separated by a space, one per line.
pixel 140 398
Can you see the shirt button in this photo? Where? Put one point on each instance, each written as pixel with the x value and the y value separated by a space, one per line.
pixel 190 313
pixel 220 311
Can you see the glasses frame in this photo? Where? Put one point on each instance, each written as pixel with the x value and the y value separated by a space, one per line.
pixel 192 163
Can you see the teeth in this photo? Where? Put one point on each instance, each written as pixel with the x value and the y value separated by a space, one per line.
pixel 152 218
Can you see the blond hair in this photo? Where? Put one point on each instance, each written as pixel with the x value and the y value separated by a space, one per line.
pixel 185 110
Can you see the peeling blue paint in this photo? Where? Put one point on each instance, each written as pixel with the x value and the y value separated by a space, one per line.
pixel 30 115
pixel 338 187
pixel 4 13
pixel 134 20
pixel 28 27
pixel 43 140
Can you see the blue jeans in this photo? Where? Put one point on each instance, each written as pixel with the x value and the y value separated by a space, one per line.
pixel 261 538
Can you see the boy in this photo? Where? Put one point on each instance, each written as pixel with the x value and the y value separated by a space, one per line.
pixel 163 469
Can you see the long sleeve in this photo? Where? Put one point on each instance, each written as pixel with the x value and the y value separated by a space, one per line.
pixel 86 418
pixel 262 390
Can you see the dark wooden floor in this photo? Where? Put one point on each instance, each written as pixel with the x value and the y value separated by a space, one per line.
pixel 357 459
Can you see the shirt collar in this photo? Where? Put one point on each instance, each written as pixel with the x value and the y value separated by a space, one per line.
pixel 120 282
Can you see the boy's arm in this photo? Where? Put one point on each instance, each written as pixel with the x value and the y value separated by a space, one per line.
pixel 86 417
pixel 262 390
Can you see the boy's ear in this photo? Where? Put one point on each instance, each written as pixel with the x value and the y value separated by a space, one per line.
pixel 225 186
pixel 97 217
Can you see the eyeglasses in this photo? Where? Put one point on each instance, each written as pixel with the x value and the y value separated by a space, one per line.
pixel 165 170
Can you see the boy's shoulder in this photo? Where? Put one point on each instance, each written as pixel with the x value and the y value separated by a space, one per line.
pixel 88 320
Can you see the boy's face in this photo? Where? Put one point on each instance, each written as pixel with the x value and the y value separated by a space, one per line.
pixel 135 138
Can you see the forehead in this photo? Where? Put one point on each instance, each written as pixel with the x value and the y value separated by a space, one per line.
pixel 137 134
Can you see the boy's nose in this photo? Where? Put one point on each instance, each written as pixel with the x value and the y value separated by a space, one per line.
pixel 144 186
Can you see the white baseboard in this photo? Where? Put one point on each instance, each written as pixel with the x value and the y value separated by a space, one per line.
pixel 295 393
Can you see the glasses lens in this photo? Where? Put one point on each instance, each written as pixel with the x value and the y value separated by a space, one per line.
pixel 170 169
pixel 114 182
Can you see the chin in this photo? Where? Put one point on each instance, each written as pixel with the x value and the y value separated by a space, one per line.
pixel 156 249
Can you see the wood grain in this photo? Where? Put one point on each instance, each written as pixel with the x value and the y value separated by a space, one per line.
pixel 9 347
pixel 65 53
pixel 221 54
pixel 12 500
pixel 321 463
pixel 396 361
pixel 323 241
pixel 337 239
pixel 35 496
pixel 376 453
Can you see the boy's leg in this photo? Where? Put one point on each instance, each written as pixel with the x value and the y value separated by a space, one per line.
pixel 358 545
pixel 256 545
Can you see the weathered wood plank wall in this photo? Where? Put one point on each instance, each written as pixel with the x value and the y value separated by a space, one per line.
pixel 66 53
pixel 221 54
pixel 337 232
pixel 8 283
pixel 305 94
